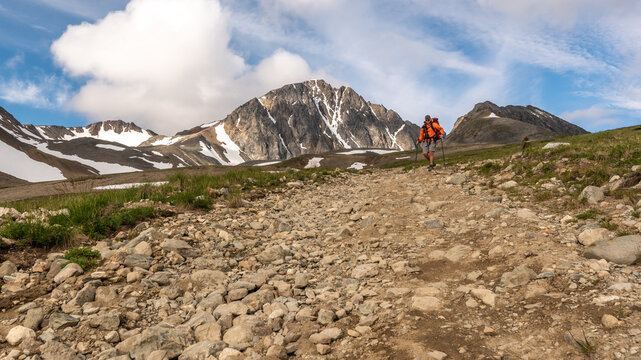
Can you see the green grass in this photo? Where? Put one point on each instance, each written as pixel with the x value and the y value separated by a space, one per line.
pixel 85 257
pixel 37 234
pixel 607 223
pixel 588 214
pixel 101 214
pixel 489 168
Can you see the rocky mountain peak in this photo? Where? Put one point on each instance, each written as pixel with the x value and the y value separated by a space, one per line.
pixel 490 123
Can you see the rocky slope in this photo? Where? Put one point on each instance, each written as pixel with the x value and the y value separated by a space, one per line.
pixel 489 123
pixel 388 269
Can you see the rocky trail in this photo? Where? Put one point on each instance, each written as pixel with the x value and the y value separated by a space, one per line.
pixel 380 265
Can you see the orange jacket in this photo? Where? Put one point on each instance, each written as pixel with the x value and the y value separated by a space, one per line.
pixel 431 135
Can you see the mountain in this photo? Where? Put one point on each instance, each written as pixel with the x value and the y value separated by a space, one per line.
pixel 36 154
pixel 297 119
pixel 116 131
pixel 489 123
pixel 304 118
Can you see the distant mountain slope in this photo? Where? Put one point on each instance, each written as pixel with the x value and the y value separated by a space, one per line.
pixel 489 123
pixel 304 118
pixel 116 131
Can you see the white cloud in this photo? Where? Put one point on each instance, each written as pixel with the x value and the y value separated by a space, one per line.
pixel 167 65
pixel 83 8
pixel 47 93
pixel 593 117
pixel 14 61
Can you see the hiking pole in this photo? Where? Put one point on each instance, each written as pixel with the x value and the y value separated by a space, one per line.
pixel 415 154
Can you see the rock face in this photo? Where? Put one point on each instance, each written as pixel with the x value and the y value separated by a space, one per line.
pixel 489 123
pixel 304 118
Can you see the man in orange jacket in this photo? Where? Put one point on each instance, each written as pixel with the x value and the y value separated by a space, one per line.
pixel 430 133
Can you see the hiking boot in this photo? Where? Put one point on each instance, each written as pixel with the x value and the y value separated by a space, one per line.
pixel 432 166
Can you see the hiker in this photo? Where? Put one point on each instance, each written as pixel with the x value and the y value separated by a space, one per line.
pixel 430 133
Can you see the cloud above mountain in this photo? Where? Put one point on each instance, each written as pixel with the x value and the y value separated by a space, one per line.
pixel 166 65
pixel 172 64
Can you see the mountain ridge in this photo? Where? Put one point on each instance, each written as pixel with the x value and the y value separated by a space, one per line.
pixel 490 123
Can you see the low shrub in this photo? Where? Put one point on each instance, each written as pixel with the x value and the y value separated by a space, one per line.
pixel 85 257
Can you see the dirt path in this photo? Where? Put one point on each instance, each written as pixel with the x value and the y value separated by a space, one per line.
pixel 387 265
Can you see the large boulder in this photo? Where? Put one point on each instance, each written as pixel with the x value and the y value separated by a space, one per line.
pixel 624 250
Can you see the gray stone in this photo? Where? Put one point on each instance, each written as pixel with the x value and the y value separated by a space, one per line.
pixel 592 194
pixel 18 334
pixel 485 295
pixel 325 317
pixel 106 321
pixel 55 267
pixel 434 224
pixel 456 179
pixel 53 350
pixel 106 295
pixel 59 321
pixel 208 332
pixel 458 253
pixel 239 337
pixel 365 271
pixel 202 350
pixel 272 254
pixel 139 260
pixel 552 145
pixel 85 295
pixel 208 277
pixel 590 236
pixel 156 338
pixel 7 268
pixel 33 318
pixel 625 250
pixel 521 275
pixel 71 269
pixel 326 336
pixel 426 303
pixel 162 278
pixel 179 246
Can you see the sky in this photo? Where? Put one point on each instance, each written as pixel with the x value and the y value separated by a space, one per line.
pixel 169 65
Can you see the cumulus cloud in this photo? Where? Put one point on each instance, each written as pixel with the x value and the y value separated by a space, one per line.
pixel 167 65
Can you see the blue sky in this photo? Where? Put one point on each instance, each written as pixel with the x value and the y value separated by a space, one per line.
pixel 172 64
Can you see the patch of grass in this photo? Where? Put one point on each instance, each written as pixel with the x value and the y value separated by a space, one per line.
pixel 543 195
pixel 101 214
pixel 623 233
pixel 588 214
pixel 37 234
pixel 85 257
pixel 607 223
pixel 489 168
pixel 635 212
pixel 584 345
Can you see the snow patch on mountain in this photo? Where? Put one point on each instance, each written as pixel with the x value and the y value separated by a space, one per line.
pixel 103 168
pixel 128 138
pixel 232 151
pixel 17 164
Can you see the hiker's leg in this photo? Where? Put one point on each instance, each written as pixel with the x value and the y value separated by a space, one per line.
pixel 431 157
pixel 425 155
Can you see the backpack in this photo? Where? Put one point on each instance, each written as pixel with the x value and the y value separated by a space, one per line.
pixel 436 136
